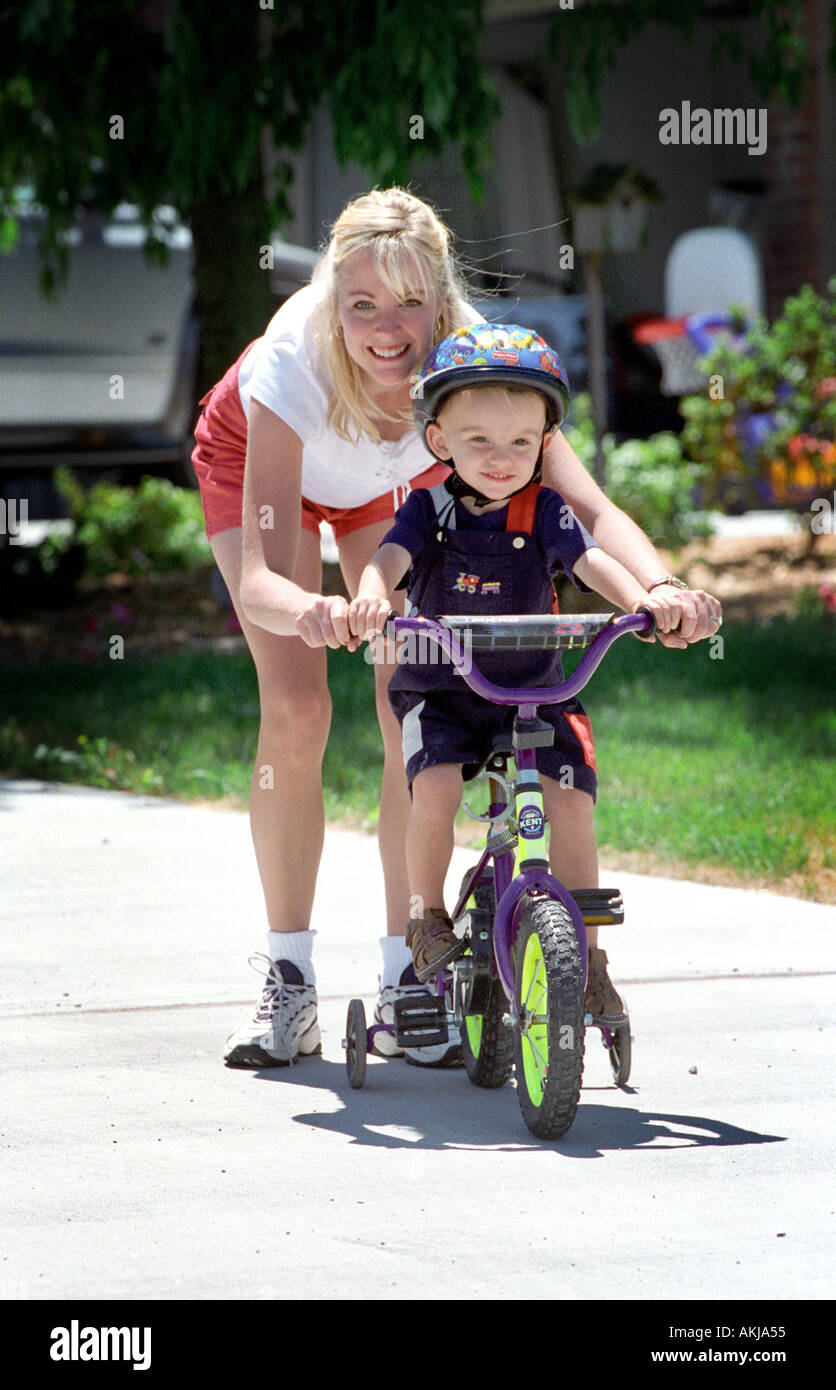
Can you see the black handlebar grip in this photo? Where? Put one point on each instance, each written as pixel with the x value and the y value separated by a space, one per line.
pixel 651 631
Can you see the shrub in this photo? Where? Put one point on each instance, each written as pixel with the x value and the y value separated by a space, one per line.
pixel 765 429
pixel 153 527
pixel 650 479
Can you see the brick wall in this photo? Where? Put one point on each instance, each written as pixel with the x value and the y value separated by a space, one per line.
pixel 793 249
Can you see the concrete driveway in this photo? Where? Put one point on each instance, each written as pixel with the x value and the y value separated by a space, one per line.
pixel 136 1166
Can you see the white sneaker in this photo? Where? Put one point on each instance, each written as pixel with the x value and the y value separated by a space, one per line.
pixel 447 1054
pixel 384 1012
pixel 283 1027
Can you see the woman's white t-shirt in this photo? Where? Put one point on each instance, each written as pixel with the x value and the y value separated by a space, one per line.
pixel 284 371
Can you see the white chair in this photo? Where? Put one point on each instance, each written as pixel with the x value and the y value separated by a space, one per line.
pixel 708 269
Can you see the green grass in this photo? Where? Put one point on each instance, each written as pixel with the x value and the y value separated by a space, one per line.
pixel 725 760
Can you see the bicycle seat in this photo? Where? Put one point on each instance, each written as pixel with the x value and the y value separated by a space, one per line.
pixel 496 760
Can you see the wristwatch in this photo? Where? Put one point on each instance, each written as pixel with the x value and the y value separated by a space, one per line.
pixel 668 579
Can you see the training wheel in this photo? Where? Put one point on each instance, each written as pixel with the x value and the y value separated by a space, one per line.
pixel 355 1044
pixel 621 1053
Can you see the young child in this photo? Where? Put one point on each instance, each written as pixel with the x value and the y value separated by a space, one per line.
pixel 488 541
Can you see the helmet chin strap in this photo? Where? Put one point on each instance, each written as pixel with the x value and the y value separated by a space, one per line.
pixel 458 488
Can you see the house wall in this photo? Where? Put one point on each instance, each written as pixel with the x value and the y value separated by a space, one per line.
pixel 538 163
pixel 801 244
pixel 497 235
pixel 657 70
pixel 827 155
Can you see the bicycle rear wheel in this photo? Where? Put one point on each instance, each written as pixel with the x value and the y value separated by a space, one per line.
pixel 549 1037
pixel 487 1043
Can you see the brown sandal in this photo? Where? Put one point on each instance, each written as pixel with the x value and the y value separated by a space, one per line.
pixel 601 998
pixel 433 942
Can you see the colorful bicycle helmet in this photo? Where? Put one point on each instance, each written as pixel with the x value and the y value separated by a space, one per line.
pixel 487 354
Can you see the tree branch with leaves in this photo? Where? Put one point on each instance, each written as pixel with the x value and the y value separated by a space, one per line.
pixel 170 101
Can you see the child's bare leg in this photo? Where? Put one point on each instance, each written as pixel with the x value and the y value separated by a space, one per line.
pixel 436 796
pixel 573 854
pixel 573 859
pixel 436 793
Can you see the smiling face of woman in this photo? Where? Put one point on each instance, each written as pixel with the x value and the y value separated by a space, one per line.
pixel 387 334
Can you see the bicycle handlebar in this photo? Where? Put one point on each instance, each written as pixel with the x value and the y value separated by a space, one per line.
pixel 458 636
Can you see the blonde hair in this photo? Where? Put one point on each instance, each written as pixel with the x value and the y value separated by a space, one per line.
pixel 404 236
pixel 507 389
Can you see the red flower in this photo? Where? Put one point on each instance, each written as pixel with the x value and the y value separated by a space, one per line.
pixel 803 445
pixel 827 594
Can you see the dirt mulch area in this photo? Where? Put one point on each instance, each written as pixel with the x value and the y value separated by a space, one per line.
pixel 157 614
pixel 757 579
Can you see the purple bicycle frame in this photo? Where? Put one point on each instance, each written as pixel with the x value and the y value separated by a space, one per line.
pixel 511 890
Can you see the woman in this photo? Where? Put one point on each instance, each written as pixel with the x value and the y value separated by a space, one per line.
pixel 320 410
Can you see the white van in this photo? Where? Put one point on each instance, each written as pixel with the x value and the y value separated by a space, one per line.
pixel 104 373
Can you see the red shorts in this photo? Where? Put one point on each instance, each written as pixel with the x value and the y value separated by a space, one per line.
pixel 221 449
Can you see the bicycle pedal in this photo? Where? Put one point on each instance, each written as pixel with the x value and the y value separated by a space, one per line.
pixel 600 907
pixel 421 1022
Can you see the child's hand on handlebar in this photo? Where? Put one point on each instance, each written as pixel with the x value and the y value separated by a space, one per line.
pixel 367 615
pixel 668 614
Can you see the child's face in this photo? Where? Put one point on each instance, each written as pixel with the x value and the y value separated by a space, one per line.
pixel 493 437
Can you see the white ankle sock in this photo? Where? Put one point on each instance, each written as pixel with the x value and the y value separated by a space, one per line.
pixel 295 946
pixel 396 957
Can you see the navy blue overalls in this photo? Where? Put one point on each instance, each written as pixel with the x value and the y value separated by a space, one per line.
pixel 467 572
pixel 464 572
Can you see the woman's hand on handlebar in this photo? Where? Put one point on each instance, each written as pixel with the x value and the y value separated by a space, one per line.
pixel 702 614
pixel 666 610
pixel 324 622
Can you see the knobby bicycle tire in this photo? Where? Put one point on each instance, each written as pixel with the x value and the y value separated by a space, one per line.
pixel 487 1042
pixel 549 1036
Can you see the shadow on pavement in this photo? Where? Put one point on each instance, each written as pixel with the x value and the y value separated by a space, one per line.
pixel 407 1107
pixel 599 1128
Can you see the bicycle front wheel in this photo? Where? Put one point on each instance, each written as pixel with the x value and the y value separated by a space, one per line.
pixel 549 1037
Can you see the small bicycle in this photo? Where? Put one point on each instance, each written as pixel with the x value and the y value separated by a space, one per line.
pixel 517 993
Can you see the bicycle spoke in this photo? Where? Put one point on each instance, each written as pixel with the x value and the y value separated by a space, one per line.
pixel 540 1062
pixel 535 980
